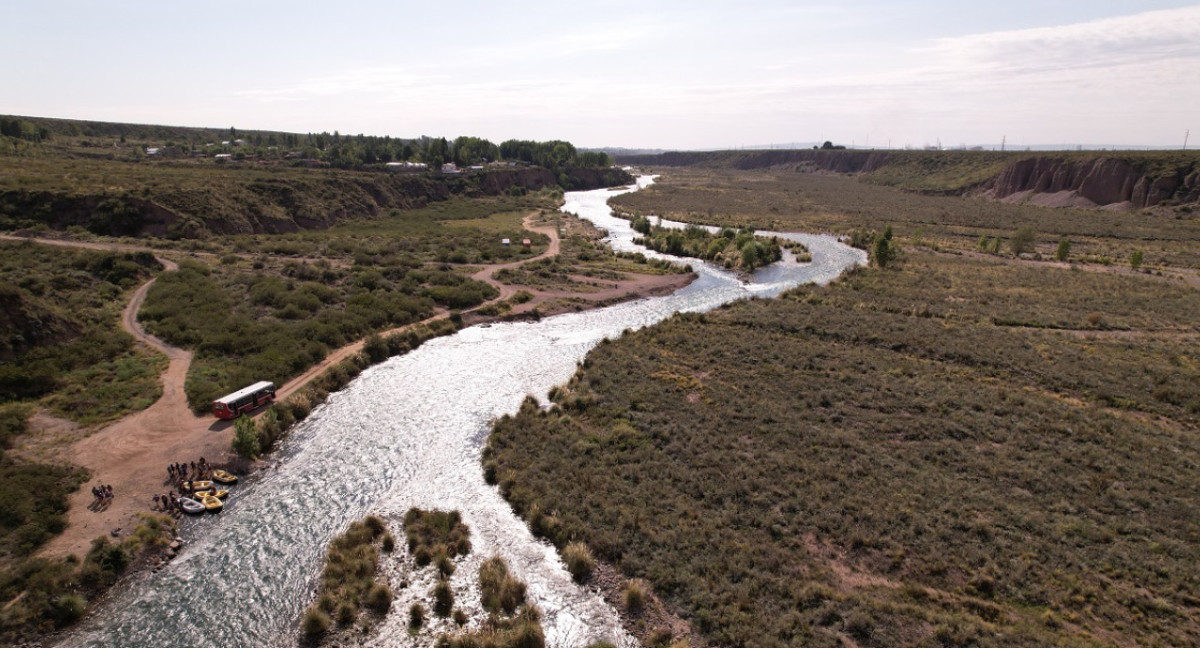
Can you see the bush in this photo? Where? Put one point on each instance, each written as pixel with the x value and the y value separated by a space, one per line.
pixel 315 624
pixel 436 535
pixel 1063 251
pixel 416 616
pixel 1022 241
pixel 68 609
pixel 379 598
pixel 245 438
pixel 635 595
pixel 579 561
pixel 499 591
pixel 443 598
pixel 346 613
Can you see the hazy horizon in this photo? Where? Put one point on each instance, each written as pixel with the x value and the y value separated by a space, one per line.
pixel 663 75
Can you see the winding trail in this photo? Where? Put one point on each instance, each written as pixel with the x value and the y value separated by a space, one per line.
pixel 132 454
pixel 506 290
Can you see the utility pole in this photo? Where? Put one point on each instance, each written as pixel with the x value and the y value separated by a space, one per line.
pixel 1003 141
pixel 1185 138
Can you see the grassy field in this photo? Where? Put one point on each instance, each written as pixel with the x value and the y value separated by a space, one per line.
pixel 958 450
pixel 788 200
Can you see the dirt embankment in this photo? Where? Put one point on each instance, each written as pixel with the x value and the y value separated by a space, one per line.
pixel 1097 182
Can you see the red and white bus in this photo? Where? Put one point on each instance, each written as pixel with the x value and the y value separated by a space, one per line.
pixel 244 400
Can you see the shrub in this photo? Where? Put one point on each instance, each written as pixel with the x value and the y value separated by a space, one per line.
pixel 245 438
pixel 68 609
pixel 1063 251
pixel 443 598
pixel 1022 241
pixel 460 617
pixel 315 624
pixel 436 535
pixel 499 591
pixel 379 598
pixel 445 566
pixel 1135 259
pixel 579 561
pixel 416 615
pixel 635 595
pixel 659 638
pixel 346 613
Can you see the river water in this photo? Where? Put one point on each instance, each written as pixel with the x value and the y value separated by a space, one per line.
pixel 409 432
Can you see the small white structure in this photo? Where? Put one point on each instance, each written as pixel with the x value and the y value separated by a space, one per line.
pixel 505 242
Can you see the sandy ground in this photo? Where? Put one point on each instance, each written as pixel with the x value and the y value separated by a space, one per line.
pixel 133 453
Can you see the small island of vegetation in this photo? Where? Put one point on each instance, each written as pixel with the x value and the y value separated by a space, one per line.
pixel 733 249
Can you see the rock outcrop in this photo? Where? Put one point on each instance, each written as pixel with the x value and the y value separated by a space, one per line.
pixel 1098 181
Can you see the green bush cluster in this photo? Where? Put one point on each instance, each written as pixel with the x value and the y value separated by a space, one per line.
pixel 738 249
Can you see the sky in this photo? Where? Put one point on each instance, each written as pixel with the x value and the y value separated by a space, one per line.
pixel 673 75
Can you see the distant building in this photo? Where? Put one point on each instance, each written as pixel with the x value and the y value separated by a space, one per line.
pixel 505 242
pixel 450 167
pixel 527 243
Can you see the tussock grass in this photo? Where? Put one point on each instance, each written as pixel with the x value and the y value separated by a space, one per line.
pixel 436 537
pixel 511 624
pixel 500 592
pixel 579 561
pixel 348 581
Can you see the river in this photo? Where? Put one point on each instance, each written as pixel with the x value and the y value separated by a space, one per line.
pixel 409 432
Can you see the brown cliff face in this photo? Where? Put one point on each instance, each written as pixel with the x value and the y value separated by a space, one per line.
pixel 1098 181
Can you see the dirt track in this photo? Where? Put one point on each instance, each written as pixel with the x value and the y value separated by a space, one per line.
pixel 133 453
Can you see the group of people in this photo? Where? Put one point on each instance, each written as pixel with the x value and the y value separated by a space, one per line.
pixel 168 504
pixel 102 496
pixel 196 470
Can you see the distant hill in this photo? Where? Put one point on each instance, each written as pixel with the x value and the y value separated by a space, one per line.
pixel 1134 179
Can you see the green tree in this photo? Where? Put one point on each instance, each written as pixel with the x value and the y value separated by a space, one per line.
pixel 883 252
pixel 749 256
pixel 1063 251
pixel 245 438
pixel 1135 260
